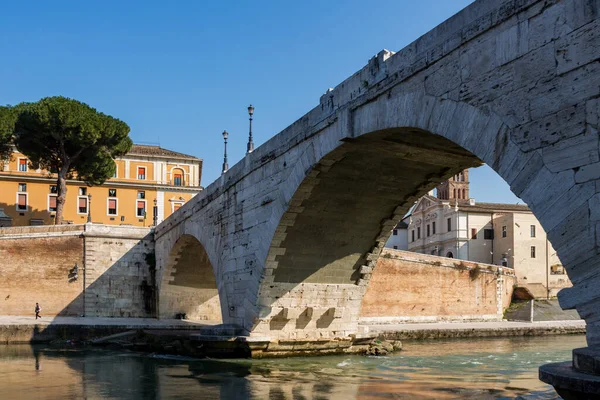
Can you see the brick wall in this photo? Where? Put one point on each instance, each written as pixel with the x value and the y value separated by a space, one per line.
pixel 114 278
pixel 36 269
pixel 414 287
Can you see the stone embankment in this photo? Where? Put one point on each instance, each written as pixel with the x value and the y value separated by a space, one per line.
pixel 221 341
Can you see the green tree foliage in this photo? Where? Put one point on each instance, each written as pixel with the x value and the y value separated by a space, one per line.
pixel 8 117
pixel 70 139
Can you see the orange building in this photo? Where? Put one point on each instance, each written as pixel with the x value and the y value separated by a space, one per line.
pixel 147 177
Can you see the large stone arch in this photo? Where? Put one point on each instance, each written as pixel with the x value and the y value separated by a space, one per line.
pixel 188 284
pixel 363 173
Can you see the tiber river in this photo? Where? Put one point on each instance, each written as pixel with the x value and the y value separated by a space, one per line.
pixel 451 369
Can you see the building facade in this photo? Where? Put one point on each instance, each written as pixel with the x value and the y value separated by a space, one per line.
pixel 455 226
pixel 399 238
pixel 148 178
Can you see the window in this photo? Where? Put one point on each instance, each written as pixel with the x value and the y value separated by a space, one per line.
pixel 23 164
pixel 53 189
pixel 413 235
pixel 454 193
pixel 112 206
pixel 141 194
pixel 21 201
pixel 140 208
pixel 504 231
pixel 141 173
pixel 177 180
pixel 449 224
pixel 177 206
pixel 532 251
pixel 82 191
pixel 433 228
pixel 428 230
pixel 532 230
pixel 488 234
pixel 22 187
pixel 395 232
pixel 473 233
pixel 419 232
pixel 112 192
pixel 52 202
pixel 395 247
pixel 82 205
pixel 116 174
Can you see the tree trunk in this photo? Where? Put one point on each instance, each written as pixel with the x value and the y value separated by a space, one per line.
pixel 61 186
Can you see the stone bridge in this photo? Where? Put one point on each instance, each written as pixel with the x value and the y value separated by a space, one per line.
pixel 285 242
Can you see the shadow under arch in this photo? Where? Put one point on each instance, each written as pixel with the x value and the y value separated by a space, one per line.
pixel 188 284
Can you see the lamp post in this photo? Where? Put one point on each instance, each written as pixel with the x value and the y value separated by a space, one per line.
pixel 155 214
pixel 225 165
pixel 89 219
pixel 250 148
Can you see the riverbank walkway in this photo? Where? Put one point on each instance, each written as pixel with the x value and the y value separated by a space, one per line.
pixel 397 331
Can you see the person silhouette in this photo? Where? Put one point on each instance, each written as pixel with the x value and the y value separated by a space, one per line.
pixel 37 311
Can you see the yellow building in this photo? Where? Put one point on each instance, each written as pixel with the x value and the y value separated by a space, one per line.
pixel 147 177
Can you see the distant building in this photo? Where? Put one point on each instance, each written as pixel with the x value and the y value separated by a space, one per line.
pixel 454 225
pixel 146 177
pixel 399 238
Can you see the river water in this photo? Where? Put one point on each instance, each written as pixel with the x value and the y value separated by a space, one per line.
pixel 450 369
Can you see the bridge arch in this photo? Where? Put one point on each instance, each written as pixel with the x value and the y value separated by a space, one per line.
pixel 364 173
pixel 188 284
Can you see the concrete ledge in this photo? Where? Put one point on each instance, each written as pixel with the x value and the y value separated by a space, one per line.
pixel 477 329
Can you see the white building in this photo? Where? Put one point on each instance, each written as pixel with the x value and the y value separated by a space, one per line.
pixel 454 225
pixel 399 238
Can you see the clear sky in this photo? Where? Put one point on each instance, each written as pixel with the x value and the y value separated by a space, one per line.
pixel 181 72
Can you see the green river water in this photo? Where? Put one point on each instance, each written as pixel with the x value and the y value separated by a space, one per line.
pixel 449 369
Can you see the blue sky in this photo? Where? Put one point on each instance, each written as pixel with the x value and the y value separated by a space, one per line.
pixel 179 73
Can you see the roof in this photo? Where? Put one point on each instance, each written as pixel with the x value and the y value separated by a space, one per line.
pixel 147 150
pixel 401 225
pixel 493 207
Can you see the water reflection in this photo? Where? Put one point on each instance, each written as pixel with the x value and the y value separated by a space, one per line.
pixel 471 369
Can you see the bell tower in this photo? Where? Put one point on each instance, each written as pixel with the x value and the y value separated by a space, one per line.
pixel 455 188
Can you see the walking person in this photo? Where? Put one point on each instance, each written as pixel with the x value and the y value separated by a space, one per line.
pixel 37 311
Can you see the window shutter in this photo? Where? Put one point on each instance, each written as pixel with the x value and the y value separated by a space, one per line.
pixel 22 200
pixel 141 204
pixel 112 203
pixel 82 203
pixel 52 201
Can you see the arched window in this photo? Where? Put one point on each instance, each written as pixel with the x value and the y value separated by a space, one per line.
pixel 449 255
pixel 178 177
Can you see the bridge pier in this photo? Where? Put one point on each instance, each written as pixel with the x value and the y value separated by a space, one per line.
pixel 579 379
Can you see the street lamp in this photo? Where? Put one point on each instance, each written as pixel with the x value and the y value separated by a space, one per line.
pixel 250 142
pixel 225 165
pixel 155 213
pixel 89 220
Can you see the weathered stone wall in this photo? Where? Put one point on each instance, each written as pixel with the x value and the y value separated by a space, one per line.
pixel 112 278
pixel 411 287
pixel 119 271
pixel 35 265
pixel 512 83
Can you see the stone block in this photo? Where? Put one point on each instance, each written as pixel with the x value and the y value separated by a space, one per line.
pixel 551 129
pixel 512 43
pixel 578 48
pixel 572 152
pixel 566 90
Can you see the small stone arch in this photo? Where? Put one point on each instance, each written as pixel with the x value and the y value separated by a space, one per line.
pixel 449 255
pixel 188 284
